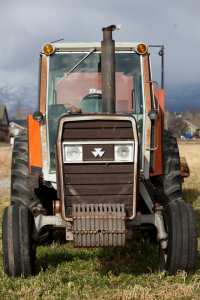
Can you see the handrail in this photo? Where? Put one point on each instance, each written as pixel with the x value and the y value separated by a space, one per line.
pixel 158 109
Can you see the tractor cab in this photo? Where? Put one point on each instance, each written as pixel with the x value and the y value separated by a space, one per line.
pixel 74 81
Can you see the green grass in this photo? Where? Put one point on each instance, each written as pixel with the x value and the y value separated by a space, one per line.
pixel 63 272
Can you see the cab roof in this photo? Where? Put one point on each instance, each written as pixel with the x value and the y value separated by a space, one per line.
pixel 85 47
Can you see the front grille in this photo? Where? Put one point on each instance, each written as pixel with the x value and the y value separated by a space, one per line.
pixel 98 183
pixel 97 131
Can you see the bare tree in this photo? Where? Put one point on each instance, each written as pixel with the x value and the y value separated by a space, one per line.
pixel 178 127
pixel 193 110
pixel 167 119
pixel 18 111
pixel 27 112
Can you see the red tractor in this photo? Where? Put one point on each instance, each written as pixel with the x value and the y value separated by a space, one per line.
pixel 96 160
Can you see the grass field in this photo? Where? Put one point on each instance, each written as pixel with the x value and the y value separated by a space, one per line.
pixel 3 144
pixel 5 163
pixel 63 272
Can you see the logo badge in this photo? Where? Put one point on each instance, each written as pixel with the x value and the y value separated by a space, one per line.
pixel 98 152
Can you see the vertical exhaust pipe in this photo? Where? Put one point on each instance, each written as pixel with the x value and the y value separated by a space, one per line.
pixel 108 69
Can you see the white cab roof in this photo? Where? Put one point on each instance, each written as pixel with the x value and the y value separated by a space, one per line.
pixel 59 47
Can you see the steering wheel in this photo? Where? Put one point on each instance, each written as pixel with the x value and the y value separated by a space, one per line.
pixel 70 105
pixel 93 96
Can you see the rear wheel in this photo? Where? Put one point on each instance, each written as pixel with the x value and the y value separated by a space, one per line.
pixel 20 195
pixel 19 171
pixel 18 255
pixel 168 186
pixel 180 253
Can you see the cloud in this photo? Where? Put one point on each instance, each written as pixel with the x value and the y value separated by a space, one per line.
pixel 26 25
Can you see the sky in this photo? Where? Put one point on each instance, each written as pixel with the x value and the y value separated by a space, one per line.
pixel 25 26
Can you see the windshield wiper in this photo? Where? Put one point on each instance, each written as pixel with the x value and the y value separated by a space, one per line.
pixel 77 65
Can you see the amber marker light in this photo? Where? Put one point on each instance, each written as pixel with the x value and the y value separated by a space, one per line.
pixel 48 49
pixel 142 48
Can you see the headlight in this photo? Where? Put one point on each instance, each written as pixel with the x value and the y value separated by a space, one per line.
pixel 73 153
pixel 84 153
pixel 123 153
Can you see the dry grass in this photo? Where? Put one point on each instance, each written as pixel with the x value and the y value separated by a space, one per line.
pixel 5 145
pixel 192 154
pixel 5 172
pixel 191 186
pixel 188 141
pixel 5 162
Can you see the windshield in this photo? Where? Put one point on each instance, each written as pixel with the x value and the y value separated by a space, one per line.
pixel 81 88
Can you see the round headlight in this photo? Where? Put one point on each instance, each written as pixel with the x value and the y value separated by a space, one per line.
pixel 73 152
pixel 123 152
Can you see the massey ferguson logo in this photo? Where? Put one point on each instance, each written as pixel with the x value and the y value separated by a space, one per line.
pixel 98 152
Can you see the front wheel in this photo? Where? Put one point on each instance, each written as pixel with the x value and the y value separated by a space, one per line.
pixel 181 251
pixel 18 253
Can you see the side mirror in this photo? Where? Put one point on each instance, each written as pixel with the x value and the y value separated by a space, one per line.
pixel 37 116
pixel 153 114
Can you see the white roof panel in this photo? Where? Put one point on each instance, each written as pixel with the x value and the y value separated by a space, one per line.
pixel 89 46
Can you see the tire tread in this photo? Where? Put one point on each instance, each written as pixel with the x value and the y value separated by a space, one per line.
pixel 168 186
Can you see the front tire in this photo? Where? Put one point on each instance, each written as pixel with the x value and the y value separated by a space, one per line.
pixel 180 224
pixel 192 240
pixel 18 254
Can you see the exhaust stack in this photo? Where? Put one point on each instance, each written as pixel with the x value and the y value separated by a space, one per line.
pixel 108 69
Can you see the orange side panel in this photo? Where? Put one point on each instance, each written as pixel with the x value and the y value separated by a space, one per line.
pixel 35 159
pixel 158 151
pixel 161 94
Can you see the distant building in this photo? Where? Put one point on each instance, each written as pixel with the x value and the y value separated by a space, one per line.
pixel 4 124
pixel 193 127
pixel 16 126
pixel 188 127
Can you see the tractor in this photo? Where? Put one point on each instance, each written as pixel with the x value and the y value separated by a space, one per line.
pixel 96 160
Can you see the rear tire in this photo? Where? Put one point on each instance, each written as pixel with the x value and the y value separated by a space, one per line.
pixel 19 171
pixel 18 256
pixel 168 186
pixel 20 195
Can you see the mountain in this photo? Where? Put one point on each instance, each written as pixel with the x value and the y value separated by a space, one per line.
pixel 178 98
pixel 27 96
pixel 182 97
